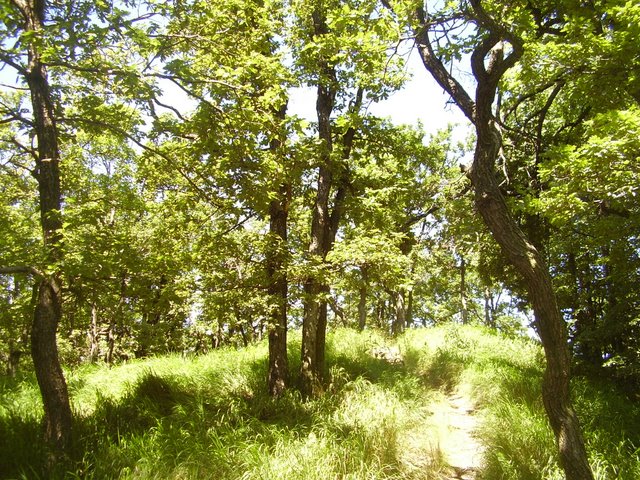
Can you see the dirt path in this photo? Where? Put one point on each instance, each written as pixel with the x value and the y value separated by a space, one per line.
pixel 452 436
pixel 458 445
pixel 443 446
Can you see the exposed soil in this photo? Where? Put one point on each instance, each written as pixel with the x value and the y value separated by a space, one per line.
pixel 458 447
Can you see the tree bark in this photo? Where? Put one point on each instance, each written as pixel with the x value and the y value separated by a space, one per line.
pixel 362 302
pixel 53 387
pixel 278 375
pixel 315 309
pixel 399 320
pixel 94 340
pixel 463 290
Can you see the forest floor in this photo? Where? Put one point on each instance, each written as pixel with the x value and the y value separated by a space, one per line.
pixel 458 404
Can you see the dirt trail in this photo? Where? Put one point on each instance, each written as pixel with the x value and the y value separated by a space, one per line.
pixel 444 446
pixel 460 449
pixel 455 441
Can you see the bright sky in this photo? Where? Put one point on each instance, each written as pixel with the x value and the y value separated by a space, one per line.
pixel 421 99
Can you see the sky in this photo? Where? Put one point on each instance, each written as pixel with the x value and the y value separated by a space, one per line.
pixel 421 99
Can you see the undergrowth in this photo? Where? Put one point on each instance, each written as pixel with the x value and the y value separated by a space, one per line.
pixel 210 416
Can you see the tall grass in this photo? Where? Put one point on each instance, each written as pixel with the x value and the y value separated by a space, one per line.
pixel 504 376
pixel 211 417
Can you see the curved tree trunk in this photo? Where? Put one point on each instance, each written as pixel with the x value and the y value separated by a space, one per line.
pixel 489 65
pixel 548 319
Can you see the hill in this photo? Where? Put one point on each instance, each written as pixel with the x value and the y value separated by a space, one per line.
pixel 441 403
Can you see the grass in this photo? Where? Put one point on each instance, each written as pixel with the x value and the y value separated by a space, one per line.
pixel 210 416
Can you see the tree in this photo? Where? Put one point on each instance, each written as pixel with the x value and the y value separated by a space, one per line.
pixel 29 18
pixel 494 48
pixel 339 48
pixel 239 132
pixel 42 40
pixel 571 120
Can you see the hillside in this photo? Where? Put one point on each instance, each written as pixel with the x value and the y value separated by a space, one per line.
pixel 440 403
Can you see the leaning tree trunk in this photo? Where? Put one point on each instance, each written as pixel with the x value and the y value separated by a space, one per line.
pixel 48 310
pixel 489 64
pixel 548 320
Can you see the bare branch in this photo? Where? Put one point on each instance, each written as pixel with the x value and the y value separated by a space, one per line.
pixel 451 85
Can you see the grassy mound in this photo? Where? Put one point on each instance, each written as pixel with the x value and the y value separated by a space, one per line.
pixel 210 416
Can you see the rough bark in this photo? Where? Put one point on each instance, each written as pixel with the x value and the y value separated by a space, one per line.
pixel 315 309
pixel 278 372
pixel 278 375
pixel 53 387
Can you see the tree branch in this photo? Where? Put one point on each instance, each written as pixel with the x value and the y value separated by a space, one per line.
pixel 442 76
pixel 149 149
pixel 24 269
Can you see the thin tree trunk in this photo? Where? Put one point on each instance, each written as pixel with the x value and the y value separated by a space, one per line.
pixel 94 346
pixel 278 375
pixel 463 290
pixel 362 304
pixel 48 310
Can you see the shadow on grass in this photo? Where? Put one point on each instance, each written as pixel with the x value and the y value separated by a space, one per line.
pixel 173 420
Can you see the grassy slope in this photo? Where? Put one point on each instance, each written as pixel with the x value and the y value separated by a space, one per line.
pixel 210 417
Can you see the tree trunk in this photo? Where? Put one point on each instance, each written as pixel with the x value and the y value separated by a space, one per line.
pixel 399 320
pixel 409 314
pixel 489 308
pixel 278 375
pixel 489 63
pixel 48 310
pixel 53 388
pixel 94 345
pixel 362 308
pixel 315 310
pixel 548 319
pixel 463 291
